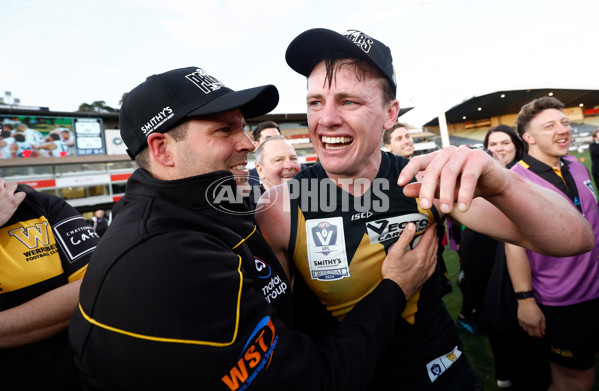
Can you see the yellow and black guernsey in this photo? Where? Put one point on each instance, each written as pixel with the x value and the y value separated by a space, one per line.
pixel 338 243
pixel 43 246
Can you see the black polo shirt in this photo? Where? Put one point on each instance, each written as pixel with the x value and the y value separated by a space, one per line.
pixel 565 183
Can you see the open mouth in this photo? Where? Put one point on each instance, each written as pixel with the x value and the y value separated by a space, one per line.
pixel 239 167
pixel 336 142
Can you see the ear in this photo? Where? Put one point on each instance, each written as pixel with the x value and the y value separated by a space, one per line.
pixel 392 114
pixel 259 169
pixel 160 145
pixel 528 138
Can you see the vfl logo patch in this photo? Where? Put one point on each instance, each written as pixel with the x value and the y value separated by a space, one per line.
pixel 439 365
pixel 204 81
pixel 327 257
pixel 324 234
pixel 254 358
pixel 589 185
pixel 392 227
pixel 75 237
pixel 361 40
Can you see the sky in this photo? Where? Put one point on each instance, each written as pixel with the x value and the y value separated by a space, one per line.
pixel 61 53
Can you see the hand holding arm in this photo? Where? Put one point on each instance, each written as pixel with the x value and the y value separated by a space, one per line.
pixel 411 268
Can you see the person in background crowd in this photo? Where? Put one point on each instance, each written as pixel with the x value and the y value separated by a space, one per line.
pixel 558 298
pixel 337 246
pixel 594 151
pixel 397 140
pixel 45 246
pixel 261 132
pixel 99 222
pixel 276 161
pixel 184 293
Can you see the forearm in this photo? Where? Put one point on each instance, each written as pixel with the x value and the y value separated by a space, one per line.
pixel 518 268
pixel 40 318
pixel 533 209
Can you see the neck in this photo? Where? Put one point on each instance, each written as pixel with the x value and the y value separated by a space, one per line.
pixel 550 160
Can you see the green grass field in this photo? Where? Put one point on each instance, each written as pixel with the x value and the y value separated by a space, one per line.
pixel 477 348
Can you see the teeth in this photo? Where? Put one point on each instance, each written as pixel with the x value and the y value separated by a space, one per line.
pixel 239 167
pixel 336 140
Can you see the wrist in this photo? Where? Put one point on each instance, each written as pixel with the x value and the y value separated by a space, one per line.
pixel 524 295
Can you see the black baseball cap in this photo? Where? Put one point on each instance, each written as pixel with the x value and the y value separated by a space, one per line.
pixel 165 100
pixel 311 46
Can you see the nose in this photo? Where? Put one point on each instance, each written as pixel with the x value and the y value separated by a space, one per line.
pixel 244 143
pixel 288 164
pixel 565 128
pixel 329 116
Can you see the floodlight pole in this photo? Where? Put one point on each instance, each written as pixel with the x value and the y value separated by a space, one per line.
pixel 441 115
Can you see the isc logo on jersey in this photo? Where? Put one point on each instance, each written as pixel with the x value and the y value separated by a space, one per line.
pixel 392 227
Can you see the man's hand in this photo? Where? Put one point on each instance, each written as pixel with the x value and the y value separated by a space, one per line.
pixel 453 174
pixel 531 318
pixel 411 268
pixel 9 200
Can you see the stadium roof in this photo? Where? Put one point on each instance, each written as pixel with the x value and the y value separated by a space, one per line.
pixel 509 102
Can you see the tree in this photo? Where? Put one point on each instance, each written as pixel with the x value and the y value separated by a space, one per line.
pixel 98 106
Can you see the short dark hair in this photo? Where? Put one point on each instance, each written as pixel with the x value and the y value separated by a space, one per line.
pixel 387 133
pixel 518 143
pixel 333 62
pixel 531 109
pixel 264 125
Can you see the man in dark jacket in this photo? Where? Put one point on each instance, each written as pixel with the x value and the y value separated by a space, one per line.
pixel 183 292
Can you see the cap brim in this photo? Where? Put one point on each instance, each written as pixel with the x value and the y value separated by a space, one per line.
pixel 252 102
pixel 312 45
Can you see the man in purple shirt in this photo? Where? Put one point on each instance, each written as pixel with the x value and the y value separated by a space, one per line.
pixel 558 298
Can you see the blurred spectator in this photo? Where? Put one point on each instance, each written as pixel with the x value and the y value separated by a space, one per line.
pixel 398 141
pixel 276 161
pixel 99 222
pixel 261 132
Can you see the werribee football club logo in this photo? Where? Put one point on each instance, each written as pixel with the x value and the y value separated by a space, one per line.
pixel 327 256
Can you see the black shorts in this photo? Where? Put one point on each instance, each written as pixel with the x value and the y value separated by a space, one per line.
pixel 572 334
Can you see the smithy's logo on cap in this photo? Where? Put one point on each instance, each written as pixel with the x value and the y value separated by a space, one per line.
pixel 204 81
pixel 362 40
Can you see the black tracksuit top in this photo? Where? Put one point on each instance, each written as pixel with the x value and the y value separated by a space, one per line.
pixel 184 293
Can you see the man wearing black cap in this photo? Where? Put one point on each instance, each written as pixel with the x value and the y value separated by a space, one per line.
pixel 183 291
pixel 337 220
